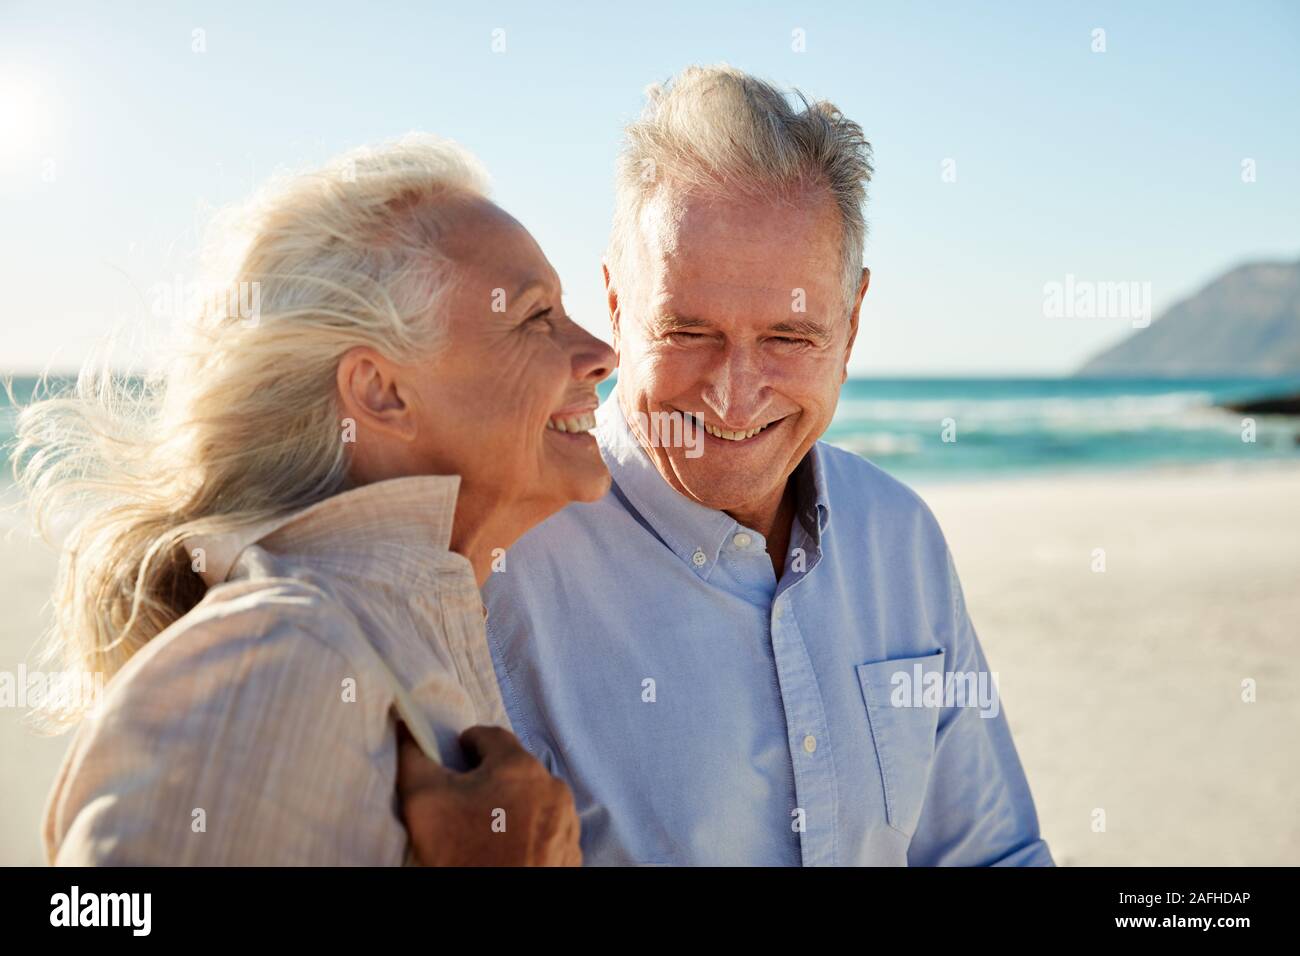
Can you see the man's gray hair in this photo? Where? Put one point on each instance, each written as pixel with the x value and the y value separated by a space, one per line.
pixel 719 132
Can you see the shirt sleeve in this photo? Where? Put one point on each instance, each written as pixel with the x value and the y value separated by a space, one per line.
pixel 978 810
pixel 241 736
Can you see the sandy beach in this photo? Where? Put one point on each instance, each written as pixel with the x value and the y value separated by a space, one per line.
pixel 1123 687
pixel 27 761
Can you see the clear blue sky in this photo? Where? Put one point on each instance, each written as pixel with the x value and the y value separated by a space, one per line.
pixel 1123 165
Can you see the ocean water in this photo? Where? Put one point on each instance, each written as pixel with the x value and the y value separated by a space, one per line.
pixel 1025 426
pixel 1014 426
pixel 1039 425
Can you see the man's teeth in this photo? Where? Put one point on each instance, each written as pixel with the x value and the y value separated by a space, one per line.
pixel 584 422
pixel 730 435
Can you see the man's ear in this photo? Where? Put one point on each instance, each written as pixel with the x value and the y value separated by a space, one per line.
pixel 853 321
pixel 373 393
pixel 611 301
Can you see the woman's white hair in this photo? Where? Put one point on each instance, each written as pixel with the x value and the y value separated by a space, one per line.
pixel 719 132
pixel 245 424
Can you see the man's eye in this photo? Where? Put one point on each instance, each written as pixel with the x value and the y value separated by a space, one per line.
pixel 544 315
pixel 684 336
pixel 789 343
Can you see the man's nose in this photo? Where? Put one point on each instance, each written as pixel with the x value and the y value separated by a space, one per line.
pixel 736 389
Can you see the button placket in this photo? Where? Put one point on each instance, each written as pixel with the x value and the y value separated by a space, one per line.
pixel 814 775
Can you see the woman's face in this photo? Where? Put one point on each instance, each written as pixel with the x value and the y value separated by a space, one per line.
pixel 514 366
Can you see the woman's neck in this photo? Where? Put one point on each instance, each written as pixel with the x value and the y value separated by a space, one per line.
pixel 485 526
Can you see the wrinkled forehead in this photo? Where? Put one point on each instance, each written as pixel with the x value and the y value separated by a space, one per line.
pixel 486 246
pixel 749 254
pixel 473 230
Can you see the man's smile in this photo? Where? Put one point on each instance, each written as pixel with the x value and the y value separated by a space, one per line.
pixel 737 436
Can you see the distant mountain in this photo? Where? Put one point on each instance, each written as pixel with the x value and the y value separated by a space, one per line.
pixel 1246 322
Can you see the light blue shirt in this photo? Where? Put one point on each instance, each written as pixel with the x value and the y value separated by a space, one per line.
pixel 705 713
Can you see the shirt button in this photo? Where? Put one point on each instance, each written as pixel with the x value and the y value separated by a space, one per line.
pixel 742 540
pixel 778 611
pixel 810 743
pixel 698 558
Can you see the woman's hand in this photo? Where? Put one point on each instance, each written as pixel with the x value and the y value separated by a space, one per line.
pixel 505 811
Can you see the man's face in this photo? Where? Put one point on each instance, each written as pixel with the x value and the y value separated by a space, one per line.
pixel 737 315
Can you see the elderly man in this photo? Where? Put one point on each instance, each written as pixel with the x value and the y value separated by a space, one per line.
pixel 745 653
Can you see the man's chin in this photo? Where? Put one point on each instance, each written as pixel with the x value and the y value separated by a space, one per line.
pixel 726 495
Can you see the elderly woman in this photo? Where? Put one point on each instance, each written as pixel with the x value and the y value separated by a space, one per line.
pixel 277 554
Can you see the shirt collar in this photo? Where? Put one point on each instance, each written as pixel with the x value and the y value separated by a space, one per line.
pixel 688 527
pixel 399 512
pixel 811 497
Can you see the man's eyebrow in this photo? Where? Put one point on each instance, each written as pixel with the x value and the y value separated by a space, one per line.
pixel 675 323
pixel 814 330
pixel 805 327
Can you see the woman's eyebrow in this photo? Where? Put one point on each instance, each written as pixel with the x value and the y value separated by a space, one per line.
pixel 529 287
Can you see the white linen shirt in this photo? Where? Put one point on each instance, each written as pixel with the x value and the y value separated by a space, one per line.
pixel 260 727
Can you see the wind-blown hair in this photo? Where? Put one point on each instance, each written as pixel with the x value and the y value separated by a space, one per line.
pixel 245 424
pixel 719 132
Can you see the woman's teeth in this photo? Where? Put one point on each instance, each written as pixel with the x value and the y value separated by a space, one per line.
pixel 584 422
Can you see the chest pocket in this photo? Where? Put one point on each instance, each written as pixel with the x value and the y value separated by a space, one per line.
pixel 903 730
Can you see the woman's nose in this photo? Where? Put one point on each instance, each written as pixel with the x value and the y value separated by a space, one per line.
pixel 593 360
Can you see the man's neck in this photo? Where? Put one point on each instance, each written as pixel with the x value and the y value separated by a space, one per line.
pixel 773 520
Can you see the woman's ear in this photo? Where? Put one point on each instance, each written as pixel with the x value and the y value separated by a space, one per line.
pixel 373 393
